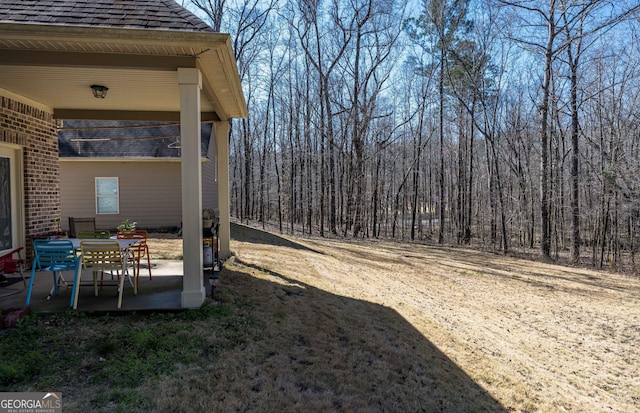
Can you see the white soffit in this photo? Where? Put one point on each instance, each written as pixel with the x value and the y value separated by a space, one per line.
pixel 50 65
pixel 65 88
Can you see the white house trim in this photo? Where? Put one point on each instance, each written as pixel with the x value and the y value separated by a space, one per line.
pixel 193 290
pixel 221 132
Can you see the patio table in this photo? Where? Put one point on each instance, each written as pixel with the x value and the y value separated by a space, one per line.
pixel 125 244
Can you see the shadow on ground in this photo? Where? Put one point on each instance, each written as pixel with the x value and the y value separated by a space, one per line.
pixel 312 350
pixel 255 236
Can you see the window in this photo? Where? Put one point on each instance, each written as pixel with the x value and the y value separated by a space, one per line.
pixel 107 196
pixel 6 230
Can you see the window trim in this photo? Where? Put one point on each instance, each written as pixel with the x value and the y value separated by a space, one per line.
pixel 15 154
pixel 117 196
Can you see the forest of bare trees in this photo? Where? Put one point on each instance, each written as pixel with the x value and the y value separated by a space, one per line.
pixel 510 124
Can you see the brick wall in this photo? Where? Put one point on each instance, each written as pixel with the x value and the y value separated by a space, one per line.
pixel 35 130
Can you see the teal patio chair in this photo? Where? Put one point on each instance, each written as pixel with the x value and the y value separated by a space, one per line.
pixel 56 256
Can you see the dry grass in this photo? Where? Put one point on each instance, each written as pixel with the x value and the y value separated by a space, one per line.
pixel 302 325
pixel 387 326
pixel 165 246
pixel 366 326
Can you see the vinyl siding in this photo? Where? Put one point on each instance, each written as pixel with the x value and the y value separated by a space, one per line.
pixel 149 192
pixel 209 175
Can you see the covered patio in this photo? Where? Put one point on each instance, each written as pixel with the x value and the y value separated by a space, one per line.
pixel 158 61
pixel 163 293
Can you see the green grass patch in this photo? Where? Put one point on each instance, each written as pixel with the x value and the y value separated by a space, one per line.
pixel 111 358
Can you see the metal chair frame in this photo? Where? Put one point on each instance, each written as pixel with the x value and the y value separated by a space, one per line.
pixel 56 256
pixel 97 234
pixel 138 251
pixel 101 256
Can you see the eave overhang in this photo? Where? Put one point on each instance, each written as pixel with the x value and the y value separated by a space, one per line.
pixel 55 65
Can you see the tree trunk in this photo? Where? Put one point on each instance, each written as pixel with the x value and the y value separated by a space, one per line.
pixel 441 138
pixel 544 136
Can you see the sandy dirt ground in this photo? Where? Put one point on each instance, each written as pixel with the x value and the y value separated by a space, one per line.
pixel 533 336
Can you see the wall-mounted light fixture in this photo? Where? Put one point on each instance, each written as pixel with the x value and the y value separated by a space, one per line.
pixel 99 92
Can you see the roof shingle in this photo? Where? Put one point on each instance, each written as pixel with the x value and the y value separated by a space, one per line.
pixel 131 14
pixel 118 139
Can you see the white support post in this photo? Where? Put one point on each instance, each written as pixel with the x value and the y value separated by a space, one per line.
pixel 193 290
pixel 222 148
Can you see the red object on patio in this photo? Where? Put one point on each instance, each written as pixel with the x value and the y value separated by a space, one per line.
pixel 11 266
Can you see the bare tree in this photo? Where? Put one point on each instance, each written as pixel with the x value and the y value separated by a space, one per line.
pixel 439 24
pixel 583 21
pixel 324 55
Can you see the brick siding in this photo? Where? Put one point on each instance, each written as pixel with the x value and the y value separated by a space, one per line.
pixel 35 130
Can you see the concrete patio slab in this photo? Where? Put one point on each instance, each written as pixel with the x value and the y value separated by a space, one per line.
pixel 161 293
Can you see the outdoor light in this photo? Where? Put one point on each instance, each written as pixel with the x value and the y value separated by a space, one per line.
pixel 99 92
